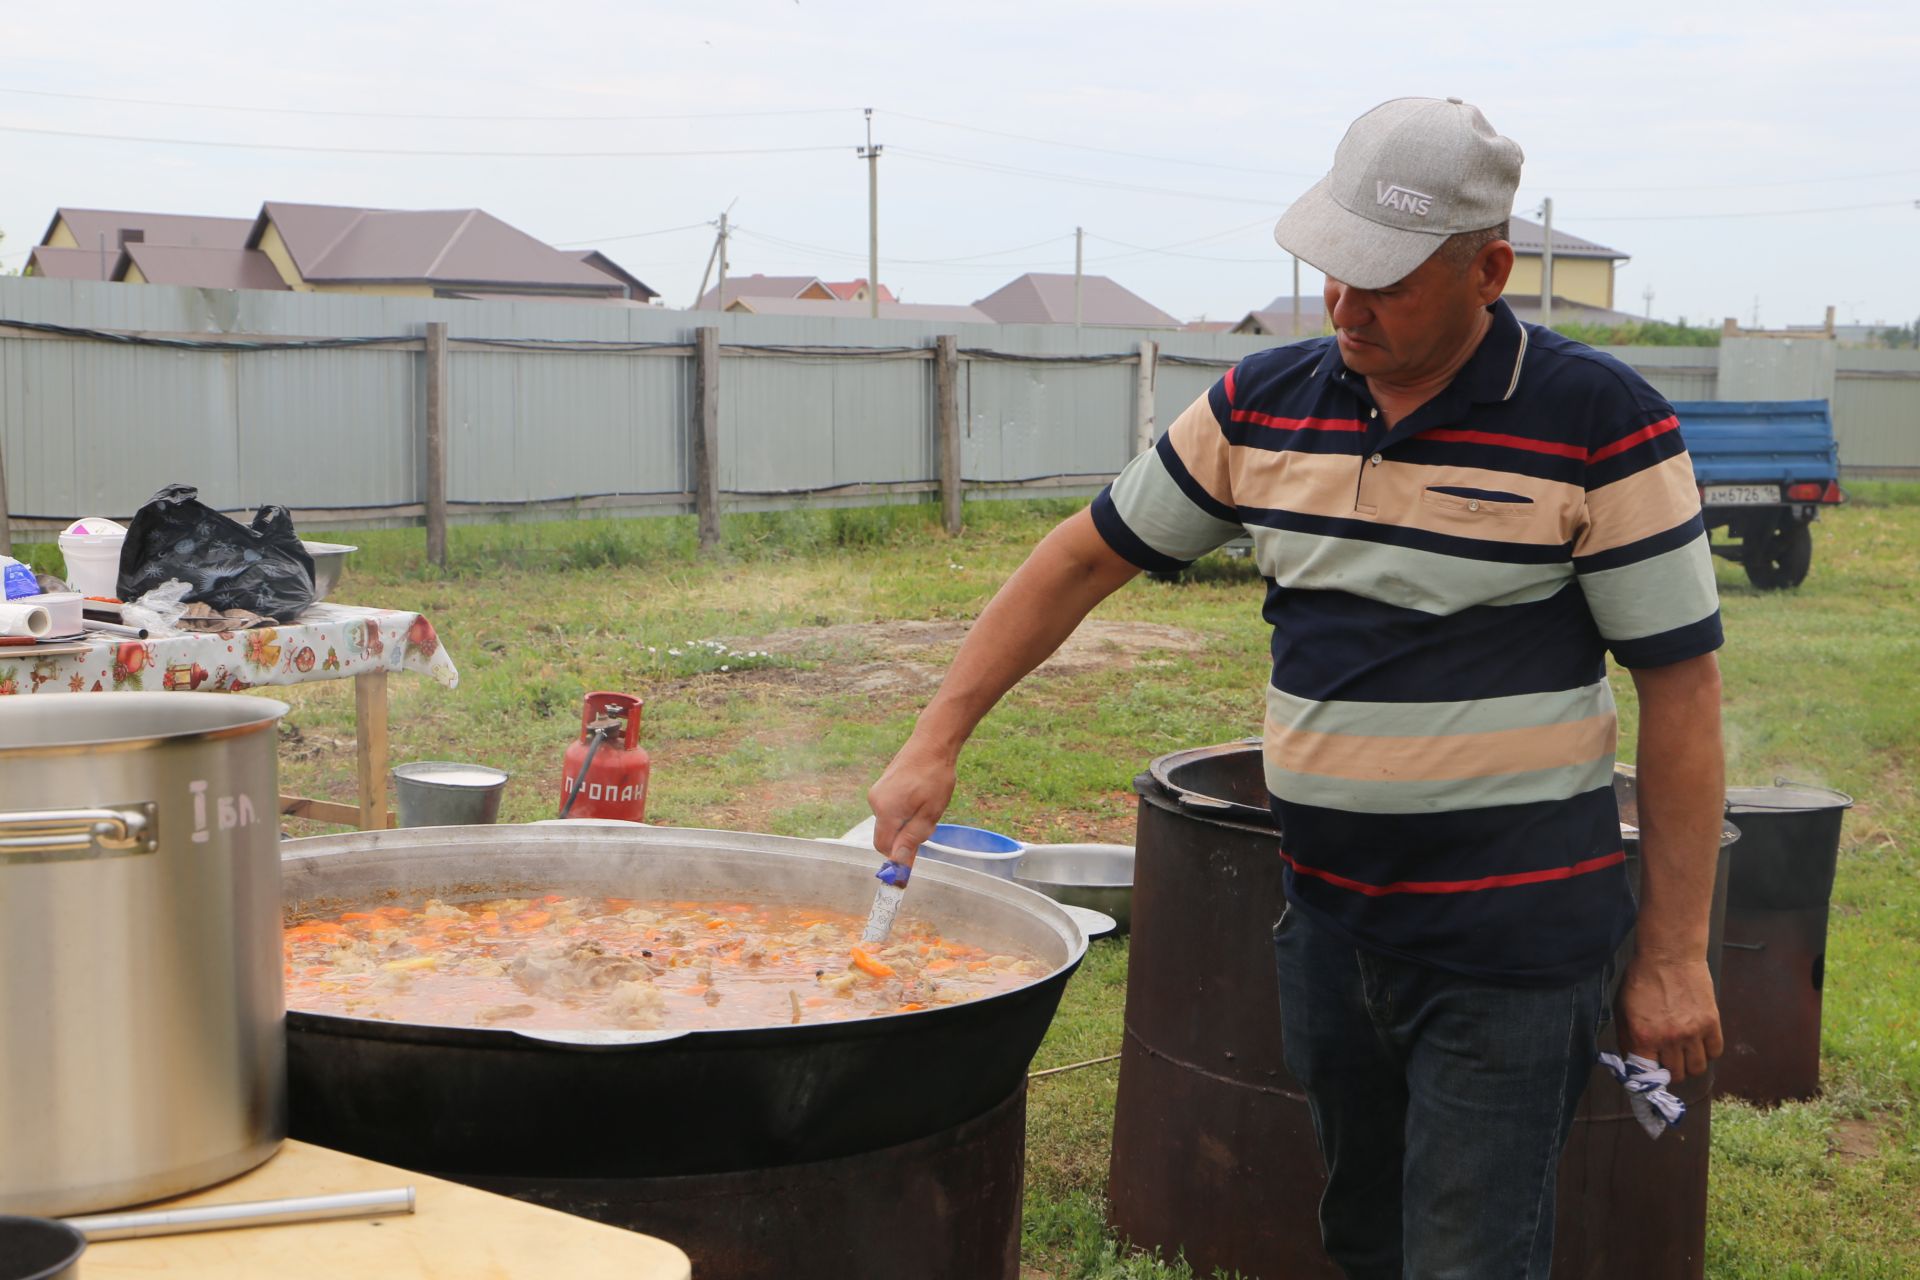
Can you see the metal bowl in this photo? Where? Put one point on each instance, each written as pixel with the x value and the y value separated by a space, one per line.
pixel 329 558
pixel 1097 876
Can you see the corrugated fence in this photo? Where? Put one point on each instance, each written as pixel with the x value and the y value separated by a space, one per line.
pixel 318 402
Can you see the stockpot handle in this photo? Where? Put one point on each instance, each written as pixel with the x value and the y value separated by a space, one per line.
pixel 73 835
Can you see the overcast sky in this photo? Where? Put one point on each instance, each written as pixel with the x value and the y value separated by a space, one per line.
pixel 1753 154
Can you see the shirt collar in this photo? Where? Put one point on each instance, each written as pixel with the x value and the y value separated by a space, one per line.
pixel 1490 375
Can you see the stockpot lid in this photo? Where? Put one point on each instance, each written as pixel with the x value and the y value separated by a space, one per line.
pixel 1785 797
pixel 52 723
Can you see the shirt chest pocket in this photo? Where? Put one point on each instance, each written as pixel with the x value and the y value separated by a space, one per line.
pixel 1463 506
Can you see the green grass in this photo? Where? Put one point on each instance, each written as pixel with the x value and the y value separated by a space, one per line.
pixel 1822 684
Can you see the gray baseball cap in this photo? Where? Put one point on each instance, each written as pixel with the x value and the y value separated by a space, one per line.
pixel 1408 174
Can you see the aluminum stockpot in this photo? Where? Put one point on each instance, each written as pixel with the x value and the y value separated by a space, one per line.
pixel 142 1039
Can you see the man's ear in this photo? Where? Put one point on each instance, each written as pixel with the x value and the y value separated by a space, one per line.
pixel 1491 267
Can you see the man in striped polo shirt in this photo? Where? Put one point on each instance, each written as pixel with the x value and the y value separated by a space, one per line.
pixel 1458 517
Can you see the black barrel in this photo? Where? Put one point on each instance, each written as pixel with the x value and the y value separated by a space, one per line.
pixel 1776 944
pixel 942 1207
pixel 1213 1146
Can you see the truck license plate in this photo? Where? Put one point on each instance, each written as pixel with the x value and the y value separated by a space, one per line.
pixel 1741 495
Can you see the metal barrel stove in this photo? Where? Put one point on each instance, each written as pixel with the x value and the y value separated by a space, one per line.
pixel 1776 947
pixel 1213 1146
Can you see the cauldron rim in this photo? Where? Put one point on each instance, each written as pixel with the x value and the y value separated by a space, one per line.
pixel 298 852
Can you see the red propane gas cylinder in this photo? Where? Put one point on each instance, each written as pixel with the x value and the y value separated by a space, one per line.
pixel 609 755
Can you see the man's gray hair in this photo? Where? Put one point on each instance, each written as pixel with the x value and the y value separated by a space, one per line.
pixel 1459 249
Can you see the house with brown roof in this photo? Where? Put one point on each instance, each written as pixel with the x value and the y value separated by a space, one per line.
pixel 809 288
pixel 1047 298
pixel 1276 318
pixel 311 248
pixel 85 244
pixel 428 253
pixel 197 267
pixel 1583 270
pixel 859 309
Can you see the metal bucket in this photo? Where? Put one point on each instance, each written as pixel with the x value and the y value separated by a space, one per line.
pixel 1776 946
pixel 1213 1146
pixel 142 1046
pixel 445 793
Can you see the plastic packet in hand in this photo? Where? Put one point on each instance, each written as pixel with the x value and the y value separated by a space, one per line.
pixel 158 611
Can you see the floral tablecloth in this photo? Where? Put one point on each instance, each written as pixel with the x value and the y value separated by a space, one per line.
pixel 328 642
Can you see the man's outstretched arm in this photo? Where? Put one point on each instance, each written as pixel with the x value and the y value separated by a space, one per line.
pixel 1072 570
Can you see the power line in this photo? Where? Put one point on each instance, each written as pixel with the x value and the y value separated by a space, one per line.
pixel 1110 151
pixel 421 115
pixel 1742 213
pixel 1726 186
pixel 1077 180
pixel 629 235
pixel 1172 250
pixel 401 151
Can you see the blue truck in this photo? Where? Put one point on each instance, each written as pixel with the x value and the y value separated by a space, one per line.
pixel 1765 469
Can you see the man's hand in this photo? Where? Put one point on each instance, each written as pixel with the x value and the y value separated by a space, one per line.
pixel 1666 1012
pixel 909 798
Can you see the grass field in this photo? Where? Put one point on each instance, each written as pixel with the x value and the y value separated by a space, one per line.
pixel 780 676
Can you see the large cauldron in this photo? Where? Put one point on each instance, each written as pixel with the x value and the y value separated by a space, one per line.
pixel 611 1124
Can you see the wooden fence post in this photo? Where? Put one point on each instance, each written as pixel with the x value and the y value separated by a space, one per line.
pixel 706 434
pixel 946 394
pixel 436 462
pixel 1143 395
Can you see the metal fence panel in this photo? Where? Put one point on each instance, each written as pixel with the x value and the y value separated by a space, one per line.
pixel 92 427
pixel 1678 373
pixel 884 421
pixel 324 429
pixel 39 433
pixel 145 417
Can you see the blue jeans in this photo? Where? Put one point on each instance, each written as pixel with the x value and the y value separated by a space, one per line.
pixel 1441 1104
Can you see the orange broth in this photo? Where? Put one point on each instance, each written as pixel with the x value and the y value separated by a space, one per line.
pixel 556 962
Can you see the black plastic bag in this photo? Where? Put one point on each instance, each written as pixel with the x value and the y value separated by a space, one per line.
pixel 261 567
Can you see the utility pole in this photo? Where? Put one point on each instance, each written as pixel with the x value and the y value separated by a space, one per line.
pixel 1296 297
pixel 871 154
pixel 719 255
pixel 1648 295
pixel 1079 243
pixel 1546 265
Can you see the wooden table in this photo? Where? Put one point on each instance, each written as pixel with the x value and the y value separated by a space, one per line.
pixel 328 642
pixel 454 1233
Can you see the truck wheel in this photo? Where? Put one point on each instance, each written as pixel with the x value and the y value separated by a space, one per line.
pixel 1779 558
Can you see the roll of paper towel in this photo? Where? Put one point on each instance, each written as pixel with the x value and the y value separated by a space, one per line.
pixel 24 620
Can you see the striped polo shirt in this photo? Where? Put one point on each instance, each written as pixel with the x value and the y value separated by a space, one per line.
pixel 1440 735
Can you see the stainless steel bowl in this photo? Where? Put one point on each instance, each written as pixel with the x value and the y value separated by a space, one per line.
pixel 1097 876
pixel 329 558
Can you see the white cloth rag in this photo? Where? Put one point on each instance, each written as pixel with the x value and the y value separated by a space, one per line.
pixel 1646 1081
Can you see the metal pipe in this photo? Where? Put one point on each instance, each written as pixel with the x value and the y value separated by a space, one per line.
pixel 114 628
pixel 255 1213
